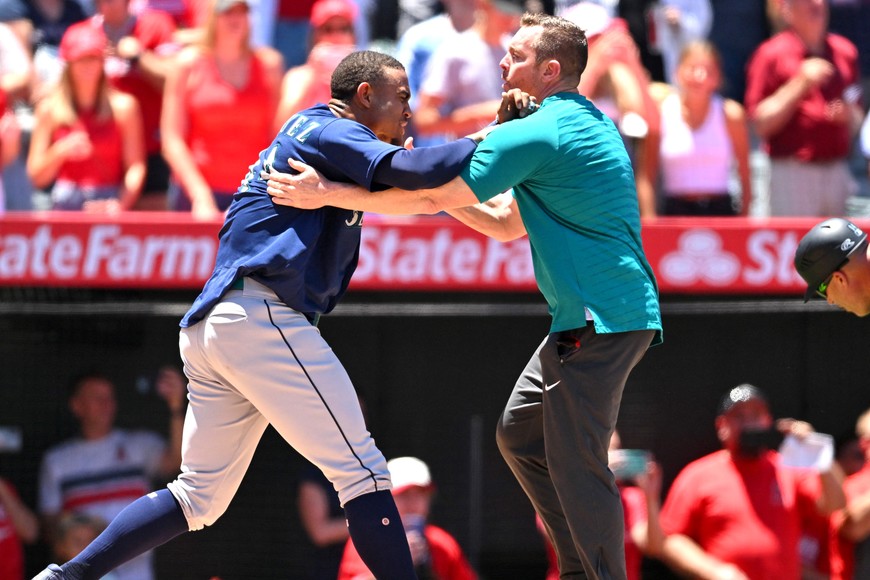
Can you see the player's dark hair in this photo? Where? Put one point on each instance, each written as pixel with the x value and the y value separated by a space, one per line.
pixel 560 40
pixel 364 66
pixel 78 381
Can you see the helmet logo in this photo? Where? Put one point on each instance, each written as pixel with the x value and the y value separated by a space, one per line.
pixel 847 244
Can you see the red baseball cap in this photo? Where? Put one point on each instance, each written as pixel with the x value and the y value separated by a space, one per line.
pixel 82 39
pixel 323 10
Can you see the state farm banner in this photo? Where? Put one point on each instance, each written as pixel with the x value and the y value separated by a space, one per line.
pixel 171 251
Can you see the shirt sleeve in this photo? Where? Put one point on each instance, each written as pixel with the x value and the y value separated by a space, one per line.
pixel 426 167
pixel 679 515
pixel 759 79
pixel 508 156
pixel 350 149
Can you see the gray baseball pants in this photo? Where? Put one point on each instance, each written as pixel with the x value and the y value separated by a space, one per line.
pixel 554 434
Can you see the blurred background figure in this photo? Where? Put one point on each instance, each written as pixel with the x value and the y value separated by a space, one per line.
pixel 617 83
pixel 803 99
pixel 704 140
pixel 739 26
pixel 140 46
pixel 417 44
pixel 87 146
pixel 332 38
pixel 324 523
pixel 10 142
pixel 676 23
pixel 462 85
pixel 851 547
pixel 738 512
pixel 40 27
pixel 73 534
pixel 435 552
pixel 18 525
pixel 104 468
pixel 218 111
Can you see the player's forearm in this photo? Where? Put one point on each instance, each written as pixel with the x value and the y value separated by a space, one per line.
pixel 498 218
pixel 425 168
pixel 399 201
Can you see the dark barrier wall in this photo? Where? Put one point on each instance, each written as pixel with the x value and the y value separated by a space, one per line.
pixel 434 376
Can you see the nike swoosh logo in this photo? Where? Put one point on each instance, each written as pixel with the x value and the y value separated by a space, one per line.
pixel 548 387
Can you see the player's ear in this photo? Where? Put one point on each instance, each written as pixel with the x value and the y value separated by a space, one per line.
pixel 552 70
pixel 364 94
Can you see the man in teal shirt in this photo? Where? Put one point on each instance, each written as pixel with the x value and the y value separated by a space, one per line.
pixel 574 188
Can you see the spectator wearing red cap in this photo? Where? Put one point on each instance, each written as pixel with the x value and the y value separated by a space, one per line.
pixel 332 38
pixel 435 552
pixel 87 138
pixel 140 47
pixel 220 99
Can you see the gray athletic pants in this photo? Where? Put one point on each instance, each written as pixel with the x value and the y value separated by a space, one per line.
pixel 554 434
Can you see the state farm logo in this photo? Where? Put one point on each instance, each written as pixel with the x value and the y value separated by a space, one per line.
pixel 699 257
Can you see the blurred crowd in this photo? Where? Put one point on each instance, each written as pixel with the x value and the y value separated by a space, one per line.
pixel 727 107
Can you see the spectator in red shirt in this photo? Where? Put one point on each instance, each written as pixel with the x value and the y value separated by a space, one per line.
pixel 736 513
pixel 18 524
pixel 332 39
pixel 436 554
pixel 87 142
pixel 804 100
pixel 140 46
pixel 850 549
pixel 220 99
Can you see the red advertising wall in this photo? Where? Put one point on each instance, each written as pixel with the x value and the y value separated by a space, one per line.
pixel 169 250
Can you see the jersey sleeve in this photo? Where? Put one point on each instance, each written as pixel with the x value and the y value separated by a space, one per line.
pixel 351 149
pixel 508 156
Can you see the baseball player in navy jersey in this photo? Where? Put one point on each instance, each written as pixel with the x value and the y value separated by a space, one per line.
pixel 252 353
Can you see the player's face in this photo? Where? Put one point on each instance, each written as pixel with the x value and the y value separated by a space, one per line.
pixel 849 294
pixel 518 67
pixel 390 109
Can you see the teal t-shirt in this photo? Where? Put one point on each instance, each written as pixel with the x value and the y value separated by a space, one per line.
pixel 574 185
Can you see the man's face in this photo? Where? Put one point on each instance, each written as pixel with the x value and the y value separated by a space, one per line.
pixel 807 15
pixel 751 414
pixel 112 10
pixel 390 109
pixel 94 404
pixel 518 67
pixel 849 294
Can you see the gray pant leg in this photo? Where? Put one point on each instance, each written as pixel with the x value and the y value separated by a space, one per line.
pixel 555 441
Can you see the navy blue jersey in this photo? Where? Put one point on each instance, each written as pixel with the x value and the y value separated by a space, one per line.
pixel 305 256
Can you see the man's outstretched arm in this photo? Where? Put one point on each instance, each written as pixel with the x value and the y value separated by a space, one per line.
pixel 498 217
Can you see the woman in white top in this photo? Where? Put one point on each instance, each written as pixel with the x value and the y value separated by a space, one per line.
pixel 703 138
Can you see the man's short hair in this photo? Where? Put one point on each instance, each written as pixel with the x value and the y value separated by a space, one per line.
pixel 364 66
pixel 560 40
pixel 80 380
